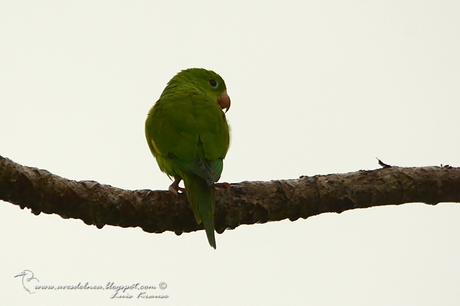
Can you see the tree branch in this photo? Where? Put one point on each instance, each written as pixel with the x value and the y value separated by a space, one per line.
pixel 242 203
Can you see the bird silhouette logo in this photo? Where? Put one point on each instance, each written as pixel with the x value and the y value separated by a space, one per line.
pixel 28 280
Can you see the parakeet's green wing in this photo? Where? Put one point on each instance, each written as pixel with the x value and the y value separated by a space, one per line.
pixel 188 134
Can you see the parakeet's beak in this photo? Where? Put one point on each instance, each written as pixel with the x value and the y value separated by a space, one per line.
pixel 224 101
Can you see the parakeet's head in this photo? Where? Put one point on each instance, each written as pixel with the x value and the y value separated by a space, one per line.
pixel 206 81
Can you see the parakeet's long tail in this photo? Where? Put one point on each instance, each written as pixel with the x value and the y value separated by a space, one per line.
pixel 201 196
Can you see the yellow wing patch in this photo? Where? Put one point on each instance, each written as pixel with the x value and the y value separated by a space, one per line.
pixel 154 146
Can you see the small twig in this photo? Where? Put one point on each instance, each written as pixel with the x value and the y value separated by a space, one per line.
pixel 381 163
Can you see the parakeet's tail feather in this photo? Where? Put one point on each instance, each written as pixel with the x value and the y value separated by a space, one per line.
pixel 202 198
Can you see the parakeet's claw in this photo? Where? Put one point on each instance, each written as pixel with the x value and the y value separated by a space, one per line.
pixel 223 185
pixel 175 188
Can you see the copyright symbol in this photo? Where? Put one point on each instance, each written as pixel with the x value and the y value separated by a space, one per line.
pixel 163 285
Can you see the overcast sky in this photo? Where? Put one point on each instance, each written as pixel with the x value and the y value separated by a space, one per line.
pixel 317 87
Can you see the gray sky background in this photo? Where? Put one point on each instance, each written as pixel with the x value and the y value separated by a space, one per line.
pixel 317 87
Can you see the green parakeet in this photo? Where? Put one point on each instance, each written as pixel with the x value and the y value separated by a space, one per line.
pixel 188 134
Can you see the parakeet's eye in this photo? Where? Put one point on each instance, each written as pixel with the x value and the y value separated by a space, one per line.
pixel 213 83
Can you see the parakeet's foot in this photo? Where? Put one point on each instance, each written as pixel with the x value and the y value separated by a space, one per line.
pixel 223 185
pixel 174 187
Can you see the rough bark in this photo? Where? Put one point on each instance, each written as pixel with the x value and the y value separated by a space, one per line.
pixel 242 203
